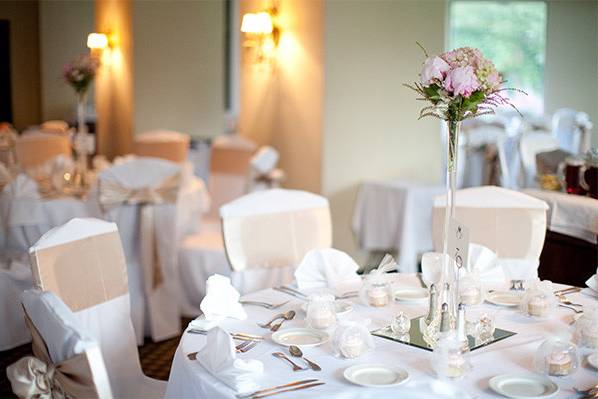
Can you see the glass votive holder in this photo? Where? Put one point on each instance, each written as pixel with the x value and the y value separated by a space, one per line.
pixel 450 359
pixel 378 294
pixel 470 290
pixel 556 357
pixel 320 311
pixel 401 324
pixel 352 346
pixel 586 328
pixel 539 300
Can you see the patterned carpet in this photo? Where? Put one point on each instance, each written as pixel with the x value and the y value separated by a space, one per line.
pixel 156 359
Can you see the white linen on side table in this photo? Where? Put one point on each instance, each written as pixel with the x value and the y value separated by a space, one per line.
pixel 396 215
pixel 512 355
pixel 327 267
pixel 569 214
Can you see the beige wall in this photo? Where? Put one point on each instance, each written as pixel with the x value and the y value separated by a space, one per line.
pixel 571 75
pixel 282 104
pixel 24 60
pixel 371 129
pixel 179 66
pixel 63 29
pixel 114 83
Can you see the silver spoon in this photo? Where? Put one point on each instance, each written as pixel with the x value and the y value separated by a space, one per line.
pixel 286 315
pixel 276 326
pixel 296 351
pixel 281 355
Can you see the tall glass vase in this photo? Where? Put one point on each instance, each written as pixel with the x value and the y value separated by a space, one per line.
pixel 450 286
pixel 81 140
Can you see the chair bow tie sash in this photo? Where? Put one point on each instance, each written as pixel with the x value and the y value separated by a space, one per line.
pixel 39 378
pixel 113 194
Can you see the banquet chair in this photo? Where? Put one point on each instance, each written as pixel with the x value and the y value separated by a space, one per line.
pixel 58 341
pixel 571 129
pixel 35 148
pixel 15 277
pixel 83 263
pixel 264 174
pixel 510 223
pixel 230 159
pixel 142 196
pixel 531 144
pixel 165 144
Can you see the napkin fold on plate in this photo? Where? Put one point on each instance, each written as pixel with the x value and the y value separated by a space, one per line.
pixel 219 358
pixel 483 260
pixel 327 268
pixel 221 302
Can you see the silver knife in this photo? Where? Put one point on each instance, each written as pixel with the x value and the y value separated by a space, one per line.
pixel 291 292
pixel 291 384
pixel 315 384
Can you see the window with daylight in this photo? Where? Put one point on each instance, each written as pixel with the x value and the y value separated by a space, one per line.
pixel 512 35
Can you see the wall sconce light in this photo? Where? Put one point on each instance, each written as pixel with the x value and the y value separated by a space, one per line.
pixel 101 45
pixel 261 33
pixel 97 41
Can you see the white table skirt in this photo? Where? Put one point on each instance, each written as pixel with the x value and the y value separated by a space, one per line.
pixel 188 379
pixel 569 214
pixel 396 215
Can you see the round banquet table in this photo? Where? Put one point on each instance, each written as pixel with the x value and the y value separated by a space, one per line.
pixel 188 379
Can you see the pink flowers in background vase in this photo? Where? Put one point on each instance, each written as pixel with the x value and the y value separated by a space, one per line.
pixel 80 72
pixel 460 84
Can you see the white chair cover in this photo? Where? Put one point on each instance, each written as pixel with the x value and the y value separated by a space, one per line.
pixel 83 263
pixel 533 143
pixel 165 144
pixel 269 232
pixel 63 340
pixel 15 277
pixel 150 238
pixel 510 223
pixel 571 129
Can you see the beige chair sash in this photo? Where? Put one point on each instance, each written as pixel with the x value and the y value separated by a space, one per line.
pixel 38 377
pixel 37 148
pixel 102 277
pixel 276 239
pixel 175 151
pixel 113 194
pixel 233 161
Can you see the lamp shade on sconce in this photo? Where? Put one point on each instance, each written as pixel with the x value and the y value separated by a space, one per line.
pixel 97 41
pixel 260 23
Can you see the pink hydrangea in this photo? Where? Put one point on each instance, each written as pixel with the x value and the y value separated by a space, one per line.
pixel 461 81
pixel 435 68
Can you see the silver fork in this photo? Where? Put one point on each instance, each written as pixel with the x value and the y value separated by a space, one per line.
pixel 571 308
pixel 566 301
pixel 241 348
pixel 264 304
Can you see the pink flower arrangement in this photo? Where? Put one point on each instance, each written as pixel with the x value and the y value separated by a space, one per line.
pixel 460 84
pixel 80 72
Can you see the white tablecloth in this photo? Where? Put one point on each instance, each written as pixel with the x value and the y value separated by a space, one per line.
pixel 188 379
pixel 572 215
pixel 396 215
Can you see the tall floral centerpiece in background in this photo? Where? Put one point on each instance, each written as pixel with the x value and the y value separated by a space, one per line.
pixel 457 85
pixel 79 73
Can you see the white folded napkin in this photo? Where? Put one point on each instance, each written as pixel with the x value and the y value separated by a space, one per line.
pixel 483 260
pixel 219 358
pixel 221 302
pixel 264 160
pixel 592 284
pixel 327 268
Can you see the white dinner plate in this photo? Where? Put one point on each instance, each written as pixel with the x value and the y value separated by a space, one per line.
pixel 300 337
pixel 523 387
pixel 593 360
pixel 340 308
pixel 376 375
pixel 504 298
pixel 411 294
